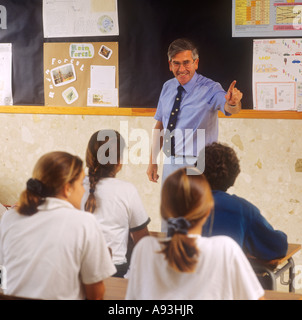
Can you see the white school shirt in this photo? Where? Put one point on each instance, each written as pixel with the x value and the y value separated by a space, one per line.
pixel 119 209
pixel 223 273
pixel 50 254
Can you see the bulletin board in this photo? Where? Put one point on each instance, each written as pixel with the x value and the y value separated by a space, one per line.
pixel 81 74
pixel 146 28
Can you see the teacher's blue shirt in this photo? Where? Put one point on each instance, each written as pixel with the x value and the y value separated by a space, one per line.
pixel 201 101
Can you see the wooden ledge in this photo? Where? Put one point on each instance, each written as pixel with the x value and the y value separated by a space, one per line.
pixel 139 112
pixel 262 114
pixel 101 111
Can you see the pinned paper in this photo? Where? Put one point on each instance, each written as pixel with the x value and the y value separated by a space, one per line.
pixel 70 95
pixel 81 51
pixel 6 97
pixel 80 18
pixel 63 75
pixel 102 97
pixel 105 52
pixel 102 77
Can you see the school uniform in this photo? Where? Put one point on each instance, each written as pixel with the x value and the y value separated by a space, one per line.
pixel 241 220
pixel 222 273
pixel 119 209
pixel 50 254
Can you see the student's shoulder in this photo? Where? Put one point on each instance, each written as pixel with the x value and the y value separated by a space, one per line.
pixel 234 200
pixel 113 183
pixel 148 243
pixel 220 243
pixel 119 183
pixel 248 207
pixel 10 216
pixel 78 217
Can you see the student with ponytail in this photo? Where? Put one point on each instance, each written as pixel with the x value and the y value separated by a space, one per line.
pixel 51 249
pixel 186 266
pixel 115 203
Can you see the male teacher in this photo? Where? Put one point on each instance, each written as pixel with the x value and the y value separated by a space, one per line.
pixel 187 111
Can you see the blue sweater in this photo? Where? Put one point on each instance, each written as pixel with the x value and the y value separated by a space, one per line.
pixel 242 221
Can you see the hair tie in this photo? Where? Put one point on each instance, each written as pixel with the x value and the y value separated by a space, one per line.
pixel 91 190
pixel 36 186
pixel 178 225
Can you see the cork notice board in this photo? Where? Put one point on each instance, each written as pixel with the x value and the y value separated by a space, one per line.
pixel 81 74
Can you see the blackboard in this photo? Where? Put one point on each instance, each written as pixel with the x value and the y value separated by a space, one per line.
pixel 147 27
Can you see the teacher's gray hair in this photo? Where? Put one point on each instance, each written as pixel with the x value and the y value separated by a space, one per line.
pixel 180 45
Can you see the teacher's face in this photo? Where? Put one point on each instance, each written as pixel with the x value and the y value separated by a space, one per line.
pixel 183 66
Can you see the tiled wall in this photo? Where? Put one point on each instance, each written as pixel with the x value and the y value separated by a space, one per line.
pixel 270 152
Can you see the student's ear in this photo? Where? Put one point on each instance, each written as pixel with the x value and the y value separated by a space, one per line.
pixel 66 191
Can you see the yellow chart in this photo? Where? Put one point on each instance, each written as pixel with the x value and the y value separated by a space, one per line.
pixel 252 12
pixel 288 14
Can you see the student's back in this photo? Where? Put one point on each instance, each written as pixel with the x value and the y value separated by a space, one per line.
pixel 51 249
pixel 115 203
pixel 186 265
pixel 234 216
pixel 222 273
pixel 119 210
pixel 45 253
pixel 239 219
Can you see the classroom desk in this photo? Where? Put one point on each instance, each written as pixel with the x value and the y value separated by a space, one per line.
pixel 276 268
pixel 116 290
pixel 276 295
pixel 272 269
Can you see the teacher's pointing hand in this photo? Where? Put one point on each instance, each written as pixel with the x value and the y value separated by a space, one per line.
pixel 233 99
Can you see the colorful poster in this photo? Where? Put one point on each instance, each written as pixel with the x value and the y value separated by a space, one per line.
pixel 6 98
pixel 80 18
pixel 267 18
pixel 277 74
pixel 81 74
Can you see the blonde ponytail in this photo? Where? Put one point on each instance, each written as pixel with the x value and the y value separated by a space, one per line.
pixel 186 199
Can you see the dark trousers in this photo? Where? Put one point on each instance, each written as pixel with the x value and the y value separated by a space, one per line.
pixel 121 270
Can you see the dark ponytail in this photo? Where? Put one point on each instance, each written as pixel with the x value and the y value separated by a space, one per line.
pixel 103 155
pixel 51 173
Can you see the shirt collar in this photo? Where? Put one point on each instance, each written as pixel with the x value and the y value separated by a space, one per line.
pixel 54 203
pixel 190 85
